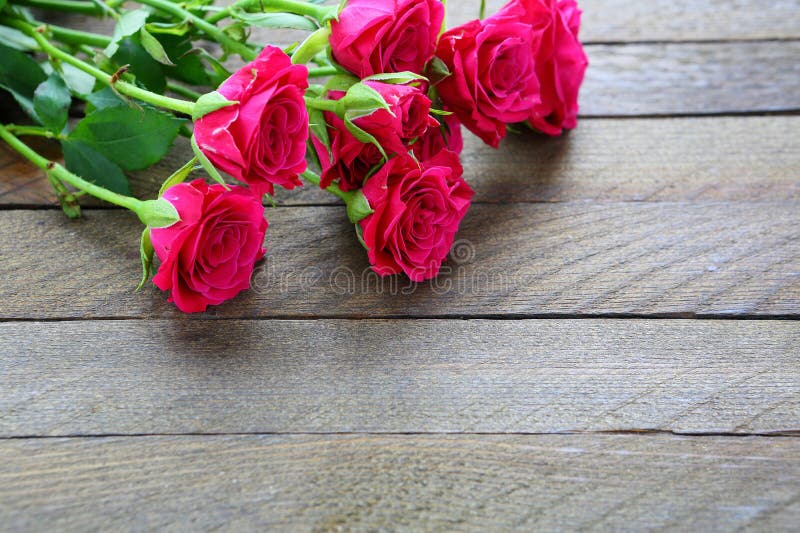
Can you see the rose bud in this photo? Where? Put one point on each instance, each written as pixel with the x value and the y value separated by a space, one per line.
pixel 492 79
pixel 416 210
pixel 441 136
pixel 208 256
pixel 349 161
pixel 375 36
pixel 261 140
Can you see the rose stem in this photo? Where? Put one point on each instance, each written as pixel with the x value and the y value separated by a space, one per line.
pixel 321 72
pixel 247 53
pixel 55 170
pixel 334 189
pixel 128 89
pixel 290 6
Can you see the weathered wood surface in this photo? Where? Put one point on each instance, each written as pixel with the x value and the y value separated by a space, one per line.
pixel 399 376
pixel 669 20
pixel 669 79
pixel 684 259
pixel 431 483
pixel 604 160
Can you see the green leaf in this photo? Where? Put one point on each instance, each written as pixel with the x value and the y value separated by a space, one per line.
pixel 154 48
pixel 146 252
pixel 127 25
pixel 210 102
pixel 83 160
pixel 15 39
pixel 397 78
pixel 275 20
pixel 105 98
pixel 179 176
pixel 158 213
pixel 51 103
pixel 189 67
pixel 207 165
pixel 77 80
pixel 132 138
pixel 147 70
pixel 20 75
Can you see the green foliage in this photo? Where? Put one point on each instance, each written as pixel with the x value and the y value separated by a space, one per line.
pixel 154 47
pixel 207 165
pixel 128 24
pixel 81 159
pixel 147 70
pixel 20 75
pixel 275 20
pixel 51 102
pixel 189 67
pixel 132 138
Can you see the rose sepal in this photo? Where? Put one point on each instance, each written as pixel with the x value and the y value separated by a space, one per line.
pixel 157 213
pixel 358 207
pixel 146 251
pixel 210 102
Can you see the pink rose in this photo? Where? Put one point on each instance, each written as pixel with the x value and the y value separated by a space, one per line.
pixel 208 256
pixel 262 139
pixel 493 78
pixel 441 136
pixel 417 210
pixel 352 159
pixel 407 118
pixel 560 66
pixel 375 36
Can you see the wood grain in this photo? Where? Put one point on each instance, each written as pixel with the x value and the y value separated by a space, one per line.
pixel 603 160
pixel 670 20
pixel 542 376
pixel 675 259
pixel 669 79
pixel 419 483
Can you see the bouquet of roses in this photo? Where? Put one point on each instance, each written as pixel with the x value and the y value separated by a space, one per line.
pixel 368 107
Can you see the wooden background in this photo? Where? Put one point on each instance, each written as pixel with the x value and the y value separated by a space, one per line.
pixel 615 346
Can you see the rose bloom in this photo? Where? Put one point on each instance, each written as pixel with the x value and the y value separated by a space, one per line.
pixel 353 160
pixel 262 139
pixel 560 66
pixel 407 119
pixel 418 207
pixel 208 256
pixel 375 36
pixel 408 116
pixel 493 78
pixel 444 135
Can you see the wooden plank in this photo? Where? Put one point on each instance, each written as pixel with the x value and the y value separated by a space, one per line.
pixel 418 483
pixel 668 79
pixel 670 20
pixel 676 259
pixel 530 376
pixel 603 160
